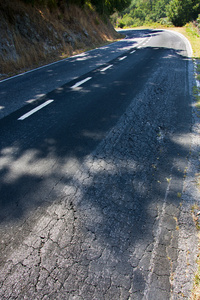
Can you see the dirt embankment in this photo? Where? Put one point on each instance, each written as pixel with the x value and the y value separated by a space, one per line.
pixel 32 36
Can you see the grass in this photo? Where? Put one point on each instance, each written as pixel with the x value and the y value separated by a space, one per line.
pixel 196 285
pixel 196 91
pixel 197 98
pixel 46 36
pixel 198 68
pixel 192 34
pixel 196 289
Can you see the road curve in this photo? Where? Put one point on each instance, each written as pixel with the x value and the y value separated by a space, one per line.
pixel 92 174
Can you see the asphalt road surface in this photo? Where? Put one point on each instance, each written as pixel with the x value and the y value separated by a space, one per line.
pixel 94 152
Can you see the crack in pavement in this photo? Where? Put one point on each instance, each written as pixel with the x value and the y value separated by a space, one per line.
pixel 119 231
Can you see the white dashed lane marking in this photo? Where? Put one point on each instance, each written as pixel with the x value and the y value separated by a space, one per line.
pixel 34 110
pixel 122 58
pixel 72 87
pixel 80 82
pixel 106 68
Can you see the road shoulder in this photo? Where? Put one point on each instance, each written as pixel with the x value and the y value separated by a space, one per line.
pixel 182 281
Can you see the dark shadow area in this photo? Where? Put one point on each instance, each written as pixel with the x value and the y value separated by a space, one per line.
pixel 80 120
pixel 30 86
pixel 120 178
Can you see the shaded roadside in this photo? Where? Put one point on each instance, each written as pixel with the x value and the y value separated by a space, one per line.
pixel 193 178
pixel 115 232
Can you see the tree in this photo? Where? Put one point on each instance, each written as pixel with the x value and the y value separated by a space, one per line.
pixel 110 6
pixel 182 11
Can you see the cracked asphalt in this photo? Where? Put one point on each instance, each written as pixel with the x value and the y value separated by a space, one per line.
pixel 120 224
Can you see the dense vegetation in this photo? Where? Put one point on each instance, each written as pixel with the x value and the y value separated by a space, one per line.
pixel 106 7
pixel 177 12
pixel 181 12
pixel 135 12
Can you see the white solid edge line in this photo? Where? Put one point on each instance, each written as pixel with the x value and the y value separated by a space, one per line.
pixel 106 68
pixel 32 70
pixel 121 58
pixel 80 82
pixel 56 62
pixel 34 110
pixel 187 42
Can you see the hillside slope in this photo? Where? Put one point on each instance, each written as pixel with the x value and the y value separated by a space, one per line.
pixel 32 36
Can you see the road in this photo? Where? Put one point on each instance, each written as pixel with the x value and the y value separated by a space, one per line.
pixel 94 152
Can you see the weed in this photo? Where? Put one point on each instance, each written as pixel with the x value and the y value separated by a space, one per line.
pixel 96 21
pixel 194 207
pixel 197 279
pixel 198 68
pixel 191 30
pixel 196 285
pixel 196 94
pixel 195 90
pixel 168 180
pixel 197 98
pixel 192 34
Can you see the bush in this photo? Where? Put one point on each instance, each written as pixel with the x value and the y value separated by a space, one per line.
pixel 165 22
pixel 198 21
pixel 127 20
pixel 120 24
pixel 181 12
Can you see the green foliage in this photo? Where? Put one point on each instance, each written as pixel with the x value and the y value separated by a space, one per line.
pixel 198 21
pixel 137 12
pixel 178 12
pixel 143 11
pixel 110 6
pixel 191 30
pixel 181 12
pixel 104 7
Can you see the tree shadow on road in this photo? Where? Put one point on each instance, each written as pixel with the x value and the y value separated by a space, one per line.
pixel 117 164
